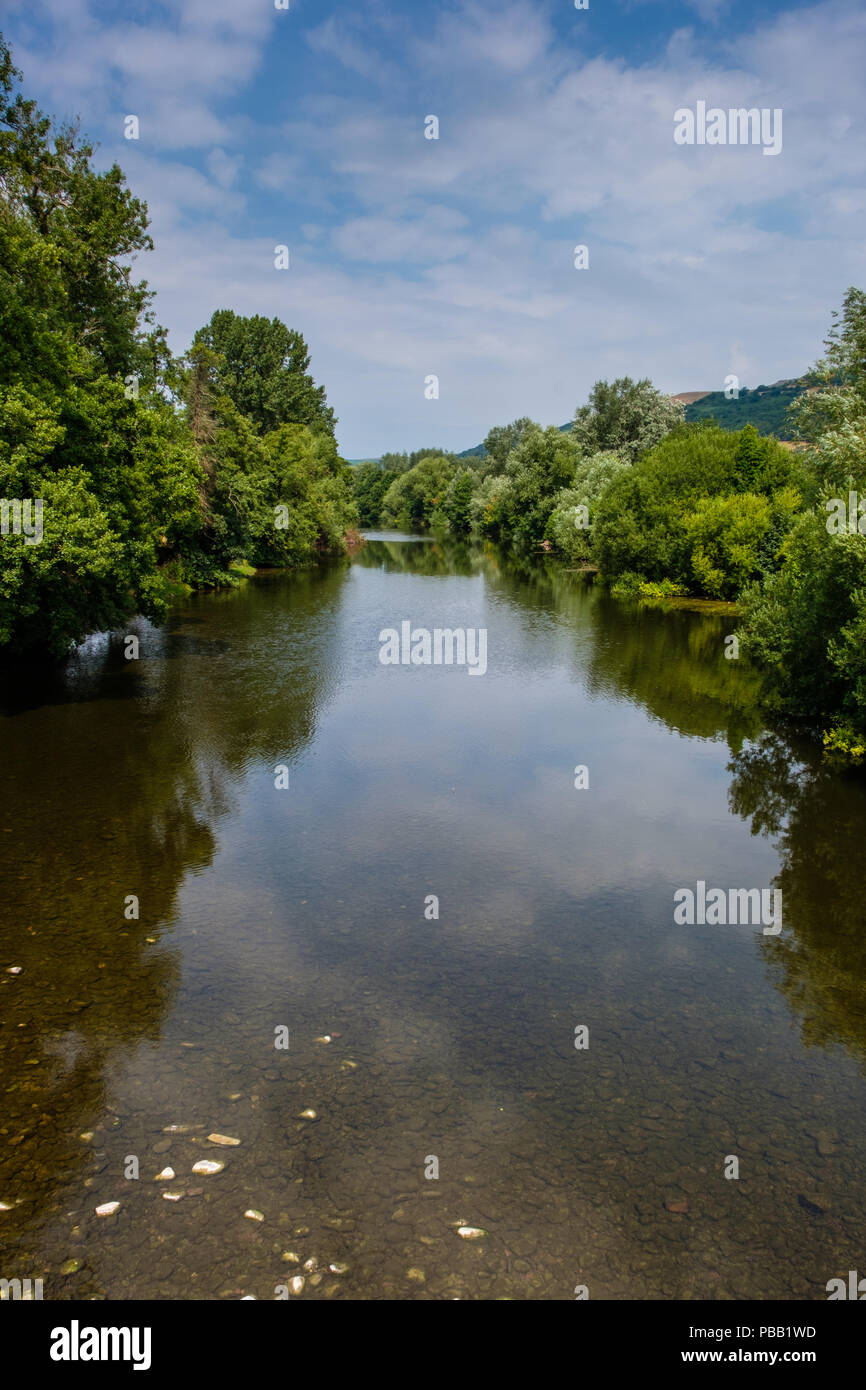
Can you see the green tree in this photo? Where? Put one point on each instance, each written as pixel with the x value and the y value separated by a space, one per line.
pixel 628 416
pixel 457 505
pixel 671 515
pixel 499 443
pixel 540 465
pixel 806 624
pixel 414 496
pixel 262 368
pixel 571 521
pixel 116 476
pixel 370 482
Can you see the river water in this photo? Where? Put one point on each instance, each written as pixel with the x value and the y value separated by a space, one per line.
pixel 272 914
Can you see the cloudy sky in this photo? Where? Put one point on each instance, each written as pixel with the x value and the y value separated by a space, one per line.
pixel 455 256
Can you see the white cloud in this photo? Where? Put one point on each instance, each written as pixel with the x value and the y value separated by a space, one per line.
pixel 455 256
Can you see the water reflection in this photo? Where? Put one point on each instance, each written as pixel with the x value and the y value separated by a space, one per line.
pixel 815 818
pixel 116 776
pixel 453 1036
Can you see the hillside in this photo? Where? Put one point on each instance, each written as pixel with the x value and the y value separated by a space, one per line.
pixel 765 407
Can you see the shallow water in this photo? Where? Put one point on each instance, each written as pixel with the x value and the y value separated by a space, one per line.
pixel 454 1038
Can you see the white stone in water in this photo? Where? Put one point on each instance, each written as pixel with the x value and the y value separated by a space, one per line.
pixel 338 1269
pixel 254 1215
pixel 172 1196
pixel 224 1139
pixel 248 1298
pixel 107 1209
pixel 326 1039
pixel 6 1206
pixel 296 1285
pixel 207 1165
pixel 13 970
pixel 165 1176
pixel 311 1265
pixel 471 1232
pixel 307 1115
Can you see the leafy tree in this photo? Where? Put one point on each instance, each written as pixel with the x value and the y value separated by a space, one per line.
pixel 670 516
pixel 806 624
pixel 146 469
pixel 85 224
pixel 499 443
pixel 401 463
pixel 413 496
pixel 457 505
pixel 566 528
pixel 262 367
pixel 116 476
pixel 628 416
pixel 370 483
pixel 540 465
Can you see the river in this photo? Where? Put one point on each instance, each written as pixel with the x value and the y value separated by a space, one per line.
pixel 523 1041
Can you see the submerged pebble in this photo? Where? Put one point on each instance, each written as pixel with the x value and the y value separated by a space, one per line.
pixel 107 1208
pixel 207 1165
pixel 253 1215
pixel 471 1232
pixel 224 1139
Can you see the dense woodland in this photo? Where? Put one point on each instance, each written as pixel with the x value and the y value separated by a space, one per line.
pixel 159 473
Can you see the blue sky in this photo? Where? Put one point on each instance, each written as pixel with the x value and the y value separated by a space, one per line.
pixel 455 257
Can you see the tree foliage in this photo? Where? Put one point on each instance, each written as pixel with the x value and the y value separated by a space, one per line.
pixel 628 416
pixel 147 469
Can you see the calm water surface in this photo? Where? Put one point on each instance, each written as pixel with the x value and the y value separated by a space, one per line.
pixel 452 1038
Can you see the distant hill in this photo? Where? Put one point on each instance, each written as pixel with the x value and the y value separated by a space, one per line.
pixel 765 407
pixel 477 453
pixel 689 397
